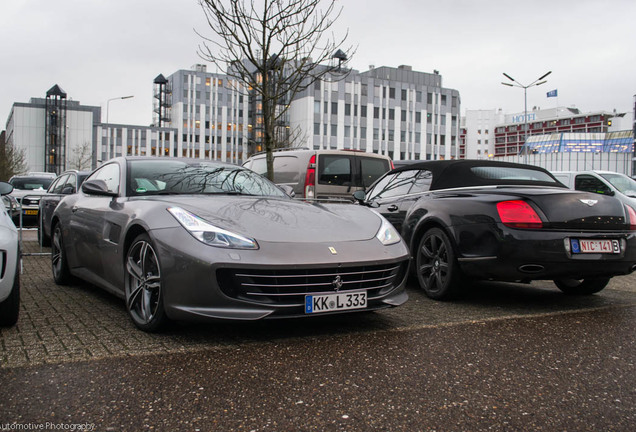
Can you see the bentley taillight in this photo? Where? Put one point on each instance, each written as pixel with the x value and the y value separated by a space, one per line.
pixel 518 214
pixel 632 217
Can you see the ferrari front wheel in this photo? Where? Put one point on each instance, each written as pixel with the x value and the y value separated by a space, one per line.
pixel 144 297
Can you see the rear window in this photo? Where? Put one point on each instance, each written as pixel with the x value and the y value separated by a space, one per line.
pixel 334 170
pixel 512 173
pixel 372 169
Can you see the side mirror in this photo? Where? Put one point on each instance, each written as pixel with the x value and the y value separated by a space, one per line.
pixel 5 188
pixel 360 196
pixel 68 190
pixel 97 187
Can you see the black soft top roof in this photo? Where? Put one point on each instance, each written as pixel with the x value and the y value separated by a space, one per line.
pixel 459 173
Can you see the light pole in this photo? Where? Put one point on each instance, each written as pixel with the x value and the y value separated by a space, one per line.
pixel 108 125
pixel 525 88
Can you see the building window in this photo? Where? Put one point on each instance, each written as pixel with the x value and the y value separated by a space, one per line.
pixel 391 114
pixel 363 90
pixel 392 92
pixel 347 131
pixel 418 96
pixel 334 130
pixel 316 107
pixel 363 111
pixel 326 111
pixel 363 132
pixel 429 98
pixel 376 133
pixel 376 112
pixel 347 109
pixel 403 116
pixel 316 128
pixel 334 107
pixel 444 100
pixel 404 94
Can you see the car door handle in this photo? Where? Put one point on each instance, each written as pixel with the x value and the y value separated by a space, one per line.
pixel 392 208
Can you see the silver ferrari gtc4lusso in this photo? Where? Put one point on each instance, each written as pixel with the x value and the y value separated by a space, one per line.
pixel 183 239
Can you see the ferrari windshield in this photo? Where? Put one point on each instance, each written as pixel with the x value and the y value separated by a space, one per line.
pixel 166 177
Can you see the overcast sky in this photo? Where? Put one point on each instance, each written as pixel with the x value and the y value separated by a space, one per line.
pixel 101 49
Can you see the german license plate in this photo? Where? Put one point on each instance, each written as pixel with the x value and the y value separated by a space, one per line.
pixel 335 302
pixel 31 212
pixel 580 246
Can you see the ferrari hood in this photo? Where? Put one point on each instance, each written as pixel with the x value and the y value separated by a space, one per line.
pixel 282 220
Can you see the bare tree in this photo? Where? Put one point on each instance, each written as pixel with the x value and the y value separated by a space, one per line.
pixel 12 160
pixel 81 158
pixel 276 48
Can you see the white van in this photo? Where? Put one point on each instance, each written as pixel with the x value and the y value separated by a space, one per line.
pixel 601 182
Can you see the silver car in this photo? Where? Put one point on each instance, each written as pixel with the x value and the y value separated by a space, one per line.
pixel 200 240
pixel 9 265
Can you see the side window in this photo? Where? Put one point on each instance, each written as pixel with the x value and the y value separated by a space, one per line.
pixel 334 170
pixel 110 174
pixel 372 169
pixel 394 185
pixel 422 182
pixel 588 183
pixel 56 186
pixel 70 184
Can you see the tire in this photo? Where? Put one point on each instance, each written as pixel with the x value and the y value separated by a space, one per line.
pixel 582 286
pixel 10 307
pixel 144 294
pixel 59 263
pixel 437 269
pixel 43 239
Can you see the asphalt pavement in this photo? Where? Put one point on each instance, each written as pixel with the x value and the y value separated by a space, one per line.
pixel 506 357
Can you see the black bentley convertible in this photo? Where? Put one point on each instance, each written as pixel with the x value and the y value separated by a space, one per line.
pixel 503 221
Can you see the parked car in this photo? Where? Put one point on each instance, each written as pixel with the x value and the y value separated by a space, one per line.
pixel 471 220
pixel 27 190
pixel 9 266
pixel 600 182
pixel 66 183
pixel 323 174
pixel 186 239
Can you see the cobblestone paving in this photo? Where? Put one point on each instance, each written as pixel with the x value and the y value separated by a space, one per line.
pixel 79 322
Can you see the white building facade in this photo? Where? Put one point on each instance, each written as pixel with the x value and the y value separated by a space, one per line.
pixel 393 111
pixel 26 131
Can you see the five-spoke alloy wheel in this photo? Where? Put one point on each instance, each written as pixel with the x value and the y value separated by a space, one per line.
pixel 144 300
pixel 437 269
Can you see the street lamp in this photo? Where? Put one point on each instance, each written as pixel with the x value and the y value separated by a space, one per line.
pixel 108 125
pixel 525 88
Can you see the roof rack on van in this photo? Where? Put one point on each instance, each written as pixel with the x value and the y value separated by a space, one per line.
pixel 283 150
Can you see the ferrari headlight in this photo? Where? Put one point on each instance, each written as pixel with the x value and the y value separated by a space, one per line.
pixel 209 234
pixel 387 234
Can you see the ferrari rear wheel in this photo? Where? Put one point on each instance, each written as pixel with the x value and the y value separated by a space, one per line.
pixel 59 264
pixel 144 299
pixel 437 270
pixel 582 286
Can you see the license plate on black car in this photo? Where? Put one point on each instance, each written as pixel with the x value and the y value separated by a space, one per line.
pixel 581 246
pixel 335 302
